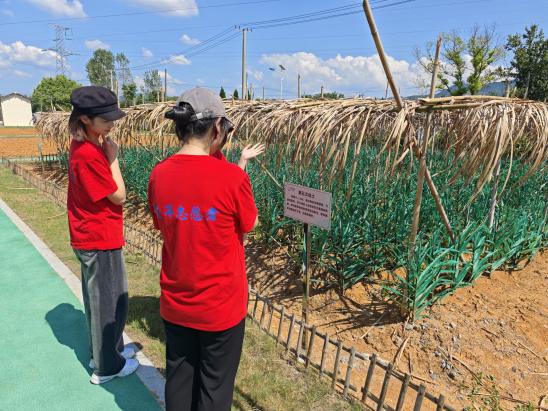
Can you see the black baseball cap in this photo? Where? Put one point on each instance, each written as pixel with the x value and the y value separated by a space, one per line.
pixel 97 101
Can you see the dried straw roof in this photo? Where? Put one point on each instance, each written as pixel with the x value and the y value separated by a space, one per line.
pixel 478 130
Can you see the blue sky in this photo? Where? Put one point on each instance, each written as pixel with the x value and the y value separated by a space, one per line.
pixel 335 53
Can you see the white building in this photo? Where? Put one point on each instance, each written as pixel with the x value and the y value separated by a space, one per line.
pixel 15 110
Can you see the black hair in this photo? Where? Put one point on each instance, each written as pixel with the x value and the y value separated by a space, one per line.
pixel 187 125
pixel 75 123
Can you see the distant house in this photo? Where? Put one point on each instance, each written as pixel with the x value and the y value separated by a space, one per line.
pixel 15 110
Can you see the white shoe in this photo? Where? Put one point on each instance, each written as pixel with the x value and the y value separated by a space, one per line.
pixel 129 368
pixel 129 352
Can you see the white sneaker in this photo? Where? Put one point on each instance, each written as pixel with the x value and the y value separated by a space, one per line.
pixel 129 352
pixel 129 368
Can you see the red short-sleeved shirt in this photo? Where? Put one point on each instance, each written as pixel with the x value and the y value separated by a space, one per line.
pixel 95 222
pixel 203 207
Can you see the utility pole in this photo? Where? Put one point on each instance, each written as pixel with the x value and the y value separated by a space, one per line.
pixel 165 84
pixel 61 53
pixel 244 74
pixel 298 86
pixel 263 93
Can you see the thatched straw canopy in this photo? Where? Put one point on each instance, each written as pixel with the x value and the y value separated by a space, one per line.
pixel 478 130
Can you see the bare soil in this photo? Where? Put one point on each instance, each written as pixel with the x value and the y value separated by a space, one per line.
pixel 489 339
pixel 23 142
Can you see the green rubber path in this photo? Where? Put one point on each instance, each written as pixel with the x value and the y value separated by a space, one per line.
pixel 43 340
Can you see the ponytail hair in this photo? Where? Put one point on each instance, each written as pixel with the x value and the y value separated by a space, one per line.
pixel 76 126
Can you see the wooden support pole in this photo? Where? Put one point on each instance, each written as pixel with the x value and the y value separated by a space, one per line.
pixel 422 166
pixel 380 50
pixel 494 190
pixel 399 102
pixel 306 281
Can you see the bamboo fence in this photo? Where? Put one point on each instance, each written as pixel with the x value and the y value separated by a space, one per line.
pixel 384 386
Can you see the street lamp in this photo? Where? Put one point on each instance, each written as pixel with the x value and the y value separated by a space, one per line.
pixel 281 69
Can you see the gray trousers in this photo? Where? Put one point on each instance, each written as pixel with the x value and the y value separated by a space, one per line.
pixel 104 290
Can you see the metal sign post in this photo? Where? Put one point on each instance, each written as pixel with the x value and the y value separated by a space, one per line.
pixel 312 207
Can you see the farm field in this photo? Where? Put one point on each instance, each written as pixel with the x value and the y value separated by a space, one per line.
pixel 23 142
pixel 375 286
pixel 495 327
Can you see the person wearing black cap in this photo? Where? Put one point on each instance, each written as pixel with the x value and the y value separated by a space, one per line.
pixel 96 193
pixel 203 207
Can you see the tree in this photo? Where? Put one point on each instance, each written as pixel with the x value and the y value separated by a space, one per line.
pixel 222 93
pixel 129 92
pixel 100 68
pixel 235 95
pixel 153 85
pixel 484 52
pixel 466 66
pixel 530 62
pixel 333 95
pixel 122 69
pixel 53 93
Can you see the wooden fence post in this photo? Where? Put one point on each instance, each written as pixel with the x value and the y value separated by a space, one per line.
pixel 349 368
pixel 336 365
pixel 372 364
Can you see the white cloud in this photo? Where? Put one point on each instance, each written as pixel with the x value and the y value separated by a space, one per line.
pixel 7 12
pixel 200 81
pixel 18 52
pixel 170 78
pixel 4 64
pixel 179 59
pixel 186 39
pixel 363 74
pixel 180 8
pixel 96 44
pixel 20 73
pixel 171 83
pixel 69 8
pixel 146 53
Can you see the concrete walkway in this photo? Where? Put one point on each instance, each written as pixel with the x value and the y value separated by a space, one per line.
pixel 43 338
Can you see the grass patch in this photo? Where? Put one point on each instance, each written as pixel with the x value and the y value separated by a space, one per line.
pixel 266 381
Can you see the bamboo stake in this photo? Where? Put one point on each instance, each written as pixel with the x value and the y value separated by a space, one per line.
pixel 422 167
pixel 382 55
pixel 494 189
pixel 380 50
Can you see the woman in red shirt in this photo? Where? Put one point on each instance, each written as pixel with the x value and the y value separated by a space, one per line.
pixel 203 206
pixel 96 193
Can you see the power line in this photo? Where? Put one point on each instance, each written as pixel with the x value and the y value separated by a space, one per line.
pixel 223 37
pixel 214 6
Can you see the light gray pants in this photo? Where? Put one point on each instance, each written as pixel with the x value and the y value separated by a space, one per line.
pixel 104 290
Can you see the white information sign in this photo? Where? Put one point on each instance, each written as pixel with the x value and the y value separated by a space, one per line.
pixel 308 205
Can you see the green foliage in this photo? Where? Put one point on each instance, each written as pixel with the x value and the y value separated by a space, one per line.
pixel 333 95
pixel 53 93
pixel 122 69
pixel 222 93
pixel 530 62
pixel 483 52
pixel 370 228
pixel 100 68
pixel 235 95
pixel 129 91
pixel 153 85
